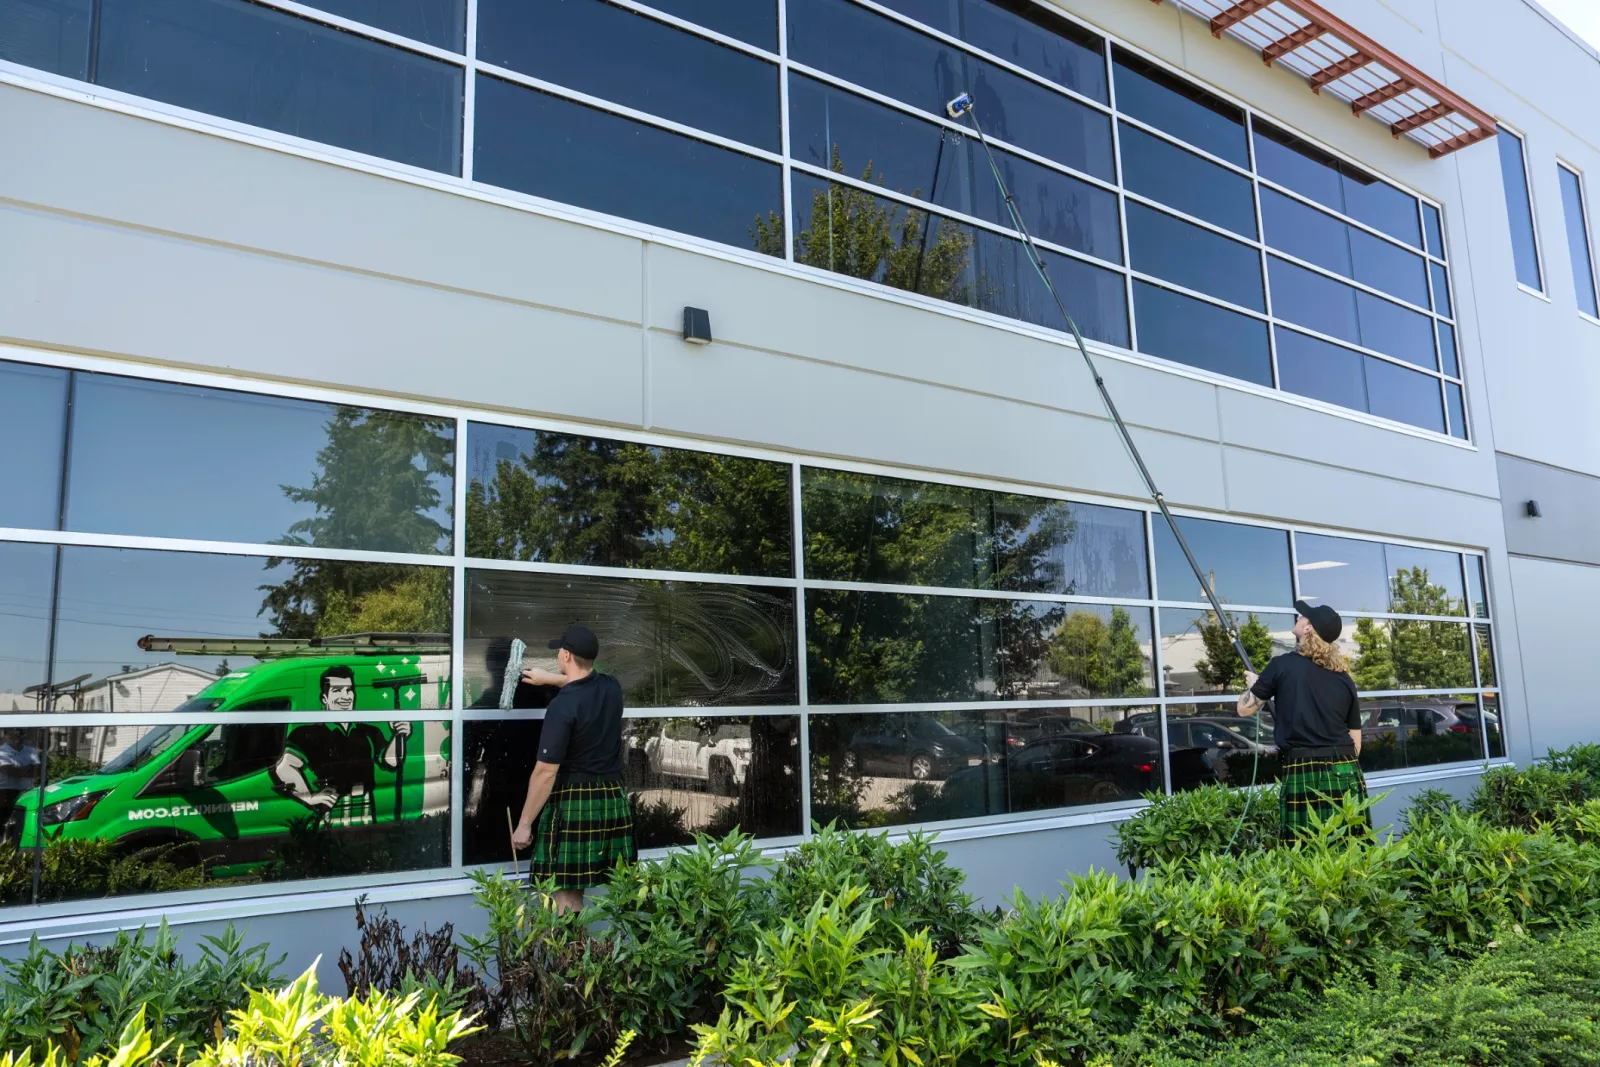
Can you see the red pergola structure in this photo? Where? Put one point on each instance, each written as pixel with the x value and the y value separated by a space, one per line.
pixel 1336 58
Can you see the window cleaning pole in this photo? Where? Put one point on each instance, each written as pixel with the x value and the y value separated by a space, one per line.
pixel 963 105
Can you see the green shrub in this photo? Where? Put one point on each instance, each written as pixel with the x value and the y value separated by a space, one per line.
pixel 1524 1003
pixel 83 998
pixel 1579 759
pixel 1196 823
pixel 1428 804
pixel 1469 878
pixel 827 990
pixel 1580 822
pixel 910 884
pixel 677 926
pixel 1525 798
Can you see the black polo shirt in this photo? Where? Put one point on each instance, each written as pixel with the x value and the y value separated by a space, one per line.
pixel 1315 707
pixel 583 729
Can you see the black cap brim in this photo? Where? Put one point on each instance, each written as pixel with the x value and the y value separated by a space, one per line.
pixel 1299 605
pixel 555 642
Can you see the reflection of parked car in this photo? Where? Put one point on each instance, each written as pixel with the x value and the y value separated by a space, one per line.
pixel 998 736
pixel 1205 733
pixel 229 792
pixel 911 747
pixel 1419 719
pixel 719 758
pixel 1060 771
pixel 1067 725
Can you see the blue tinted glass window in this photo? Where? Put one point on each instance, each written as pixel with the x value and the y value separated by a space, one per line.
pixel 1403 395
pixel 1196 186
pixel 1345 574
pixel 1519 210
pixel 615 54
pixel 52 35
pixel 256 468
pixel 27 573
pixel 1194 258
pixel 537 143
pixel 1385 265
pixel 1322 371
pixel 1433 227
pixel 33 412
pixel 1186 111
pixel 1317 237
pixel 1022 32
pixel 1186 330
pixel 893 59
pixel 850 231
pixel 1451 363
pixel 1578 240
pixel 1247 564
pixel 441 23
pixel 1309 299
pixel 865 139
pixel 1441 291
pixel 256 65
pixel 1458 413
pixel 751 21
pixel 1287 160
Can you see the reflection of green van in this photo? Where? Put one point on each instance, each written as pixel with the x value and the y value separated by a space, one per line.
pixel 231 791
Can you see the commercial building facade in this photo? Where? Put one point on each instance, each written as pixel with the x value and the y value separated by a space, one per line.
pixel 343 345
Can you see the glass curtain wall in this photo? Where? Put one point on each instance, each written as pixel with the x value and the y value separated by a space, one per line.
pixel 250 641
pixel 1179 224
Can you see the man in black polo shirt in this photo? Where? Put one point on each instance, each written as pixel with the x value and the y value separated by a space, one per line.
pixel 577 815
pixel 1317 716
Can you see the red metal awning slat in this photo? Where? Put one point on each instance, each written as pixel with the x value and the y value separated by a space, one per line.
pixel 1336 58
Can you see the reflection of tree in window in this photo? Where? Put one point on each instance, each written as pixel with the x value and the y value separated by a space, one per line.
pixel 1104 658
pixel 855 233
pixel 378 488
pixel 1414 653
pixel 582 500
pixel 1222 669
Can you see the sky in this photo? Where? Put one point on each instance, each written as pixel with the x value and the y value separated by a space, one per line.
pixel 1581 16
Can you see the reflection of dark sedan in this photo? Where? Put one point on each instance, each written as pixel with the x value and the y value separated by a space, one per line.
pixel 919 748
pixel 1058 772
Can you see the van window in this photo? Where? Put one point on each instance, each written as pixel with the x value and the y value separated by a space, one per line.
pixel 150 745
pixel 238 750
pixel 266 704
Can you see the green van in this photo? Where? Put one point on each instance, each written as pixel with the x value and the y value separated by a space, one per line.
pixel 228 792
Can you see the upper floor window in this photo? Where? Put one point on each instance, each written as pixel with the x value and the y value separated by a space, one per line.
pixel 1519 210
pixel 1574 206
pixel 1179 223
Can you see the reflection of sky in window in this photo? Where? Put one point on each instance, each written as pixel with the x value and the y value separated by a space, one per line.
pixel 159 459
pixel 33 402
pixel 1341 573
pixel 1249 564
pixel 112 597
pixel 25 579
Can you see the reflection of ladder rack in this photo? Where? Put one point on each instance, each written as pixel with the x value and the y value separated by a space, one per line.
pixel 368 644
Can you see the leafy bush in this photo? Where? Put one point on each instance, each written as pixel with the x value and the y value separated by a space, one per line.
pixel 71 869
pixel 1579 759
pixel 677 926
pixel 1524 1003
pixel 910 884
pixel 826 989
pixel 1525 798
pixel 1427 805
pixel 82 999
pixel 1196 823
pixel 428 963
pixel 299 1026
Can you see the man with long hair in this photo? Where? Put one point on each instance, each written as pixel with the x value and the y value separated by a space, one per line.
pixel 1317 720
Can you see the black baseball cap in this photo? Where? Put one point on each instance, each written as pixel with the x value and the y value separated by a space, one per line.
pixel 580 641
pixel 1323 619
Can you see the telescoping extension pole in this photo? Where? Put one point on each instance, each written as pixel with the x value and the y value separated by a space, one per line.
pixel 963 105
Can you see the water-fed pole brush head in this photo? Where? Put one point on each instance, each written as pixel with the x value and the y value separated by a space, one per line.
pixel 959 106
pixel 513 675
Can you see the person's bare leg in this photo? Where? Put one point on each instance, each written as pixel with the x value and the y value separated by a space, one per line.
pixel 569 900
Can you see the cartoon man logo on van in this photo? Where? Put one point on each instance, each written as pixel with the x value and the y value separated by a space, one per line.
pixel 331 767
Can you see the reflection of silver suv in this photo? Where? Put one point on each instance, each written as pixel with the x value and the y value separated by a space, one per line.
pixel 719 758
pixel 1425 718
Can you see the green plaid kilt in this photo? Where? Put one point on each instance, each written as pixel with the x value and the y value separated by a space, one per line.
pixel 1316 787
pixel 584 829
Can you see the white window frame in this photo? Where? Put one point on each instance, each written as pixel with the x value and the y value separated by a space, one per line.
pixel 1588 235
pixel 1533 219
